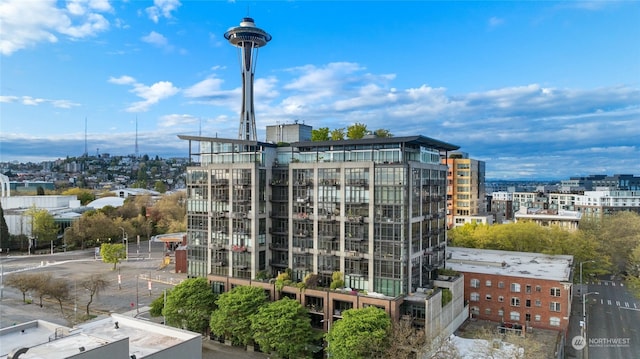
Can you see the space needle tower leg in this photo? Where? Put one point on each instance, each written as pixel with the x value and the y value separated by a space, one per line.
pixel 247 38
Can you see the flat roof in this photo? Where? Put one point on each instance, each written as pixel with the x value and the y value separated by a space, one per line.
pixel 511 264
pixel 418 140
pixel 145 338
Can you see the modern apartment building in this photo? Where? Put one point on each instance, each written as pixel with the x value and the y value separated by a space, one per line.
pixel 530 289
pixel 372 209
pixel 596 204
pixel 465 187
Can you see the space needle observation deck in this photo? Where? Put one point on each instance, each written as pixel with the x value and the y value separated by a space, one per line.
pixel 247 38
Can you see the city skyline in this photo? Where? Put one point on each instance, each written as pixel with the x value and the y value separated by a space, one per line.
pixel 537 90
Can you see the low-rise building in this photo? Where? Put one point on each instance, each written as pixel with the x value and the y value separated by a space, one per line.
pixel 532 290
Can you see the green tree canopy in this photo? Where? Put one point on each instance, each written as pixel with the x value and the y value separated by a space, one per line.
pixel 381 132
pixel 357 131
pixel 530 237
pixel 157 306
pixel 189 305
pixel 361 333
pixel 44 227
pixel 235 309
pixel 112 253
pixel 84 195
pixel 337 134
pixel 283 327
pixel 321 134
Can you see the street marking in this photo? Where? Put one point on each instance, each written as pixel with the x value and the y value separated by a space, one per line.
pixel 634 305
pixel 609 301
pixel 613 284
pixel 629 308
pixel 622 284
pixel 606 283
pixel 601 301
pixel 618 303
pixel 626 304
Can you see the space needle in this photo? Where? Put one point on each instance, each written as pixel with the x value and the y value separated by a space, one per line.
pixel 247 38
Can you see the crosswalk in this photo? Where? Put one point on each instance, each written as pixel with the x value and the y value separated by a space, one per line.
pixel 612 302
pixel 618 303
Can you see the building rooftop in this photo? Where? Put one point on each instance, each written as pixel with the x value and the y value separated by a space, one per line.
pixel 508 263
pixel 51 341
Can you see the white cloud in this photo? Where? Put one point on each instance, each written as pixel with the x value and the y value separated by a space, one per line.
pixel 175 120
pixel 162 8
pixel 32 101
pixel 204 88
pixel 122 80
pixel 151 95
pixel 27 23
pixel 155 39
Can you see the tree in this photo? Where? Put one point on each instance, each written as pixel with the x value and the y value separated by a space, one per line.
pixel 619 234
pixel 357 131
pixel 40 283
pixel 232 319
pixel 337 280
pixel 189 305
pixel 337 134
pixel 4 231
pixel 381 132
pixel 112 253
pixel 361 333
pixel 160 186
pixel 157 306
pixel 43 224
pixel 84 195
pixel 94 284
pixel 283 327
pixel 321 134
pixel 407 342
pixel 58 289
pixel 22 282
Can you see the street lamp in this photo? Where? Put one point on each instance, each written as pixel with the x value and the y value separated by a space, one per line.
pixel 126 245
pixel 585 332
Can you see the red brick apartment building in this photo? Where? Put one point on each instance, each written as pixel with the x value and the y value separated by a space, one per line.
pixel 530 289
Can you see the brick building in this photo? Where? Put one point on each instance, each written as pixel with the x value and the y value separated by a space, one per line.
pixel 530 289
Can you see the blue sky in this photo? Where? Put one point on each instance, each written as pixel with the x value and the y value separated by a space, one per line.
pixel 537 90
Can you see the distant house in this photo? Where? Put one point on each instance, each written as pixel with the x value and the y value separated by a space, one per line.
pixel 132 192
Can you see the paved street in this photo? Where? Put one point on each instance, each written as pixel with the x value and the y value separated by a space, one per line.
pixel 613 321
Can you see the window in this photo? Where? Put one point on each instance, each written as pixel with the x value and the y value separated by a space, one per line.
pixel 554 306
pixel 500 299
pixel 487 283
pixel 515 316
pixel 515 287
pixel 475 297
pixel 538 289
pixel 527 303
pixel 537 318
pixel 555 292
pixel 538 303
pixel 487 311
pixel 515 302
pixel 501 312
pixel 527 289
pixel 554 321
pixel 487 297
pixel 500 285
pixel 527 317
pixel 475 310
pixel 475 283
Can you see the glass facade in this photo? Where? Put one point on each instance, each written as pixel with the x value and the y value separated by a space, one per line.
pixel 373 210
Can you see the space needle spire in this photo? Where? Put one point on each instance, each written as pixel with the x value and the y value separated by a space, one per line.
pixel 247 38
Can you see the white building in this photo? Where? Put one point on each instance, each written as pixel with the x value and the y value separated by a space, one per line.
pixel 568 220
pixel 114 337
